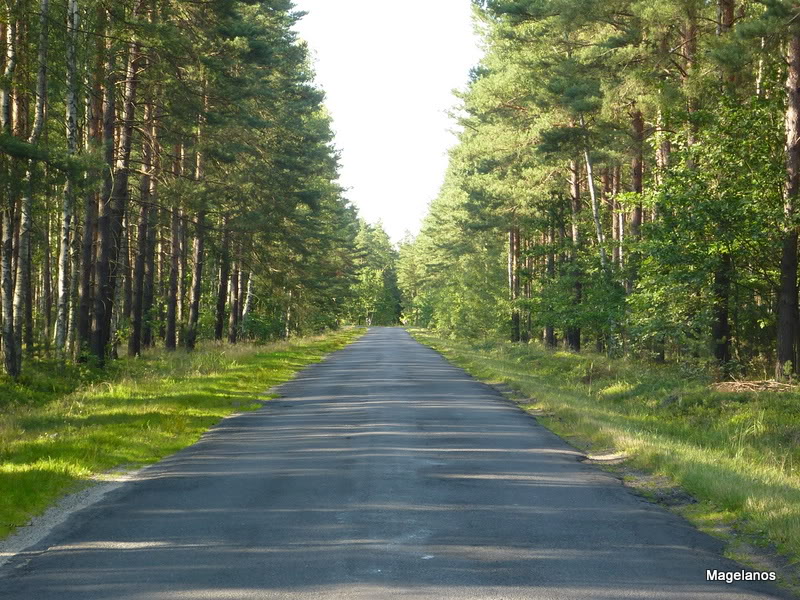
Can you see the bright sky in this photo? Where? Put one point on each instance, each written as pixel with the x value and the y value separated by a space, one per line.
pixel 388 69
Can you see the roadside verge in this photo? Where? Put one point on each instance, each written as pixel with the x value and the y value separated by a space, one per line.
pixel 727 461
pixel 141 411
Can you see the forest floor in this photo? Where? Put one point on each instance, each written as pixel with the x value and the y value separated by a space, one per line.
pixel 725 457
pixel 62 425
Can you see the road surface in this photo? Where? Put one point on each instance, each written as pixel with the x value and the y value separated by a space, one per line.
pixel 383 473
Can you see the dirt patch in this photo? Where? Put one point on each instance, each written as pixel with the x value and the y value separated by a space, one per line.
pixel 653 488
pixel 755 386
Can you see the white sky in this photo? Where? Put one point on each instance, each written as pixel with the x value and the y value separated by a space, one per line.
pixel 388 69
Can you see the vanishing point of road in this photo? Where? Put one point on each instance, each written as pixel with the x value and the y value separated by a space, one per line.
pixel 383 472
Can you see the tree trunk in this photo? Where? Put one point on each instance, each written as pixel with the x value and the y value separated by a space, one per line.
pixel 197 280
pixel 199 250
pixel 513 281
pixel 720 329
pixel 137 300
pixel 6 259
pixel 248 302
pixel 9 344
pixel 152 229
pixel 183 268
pixel 74 269
pixel 598 223
pixel 549 330
pixel 94 139
pixel 637 171
pixel 224 274
pixel 23 278
pixel 149 277
pixel 171 334
pixel 102 267
pixel 125 269
pixel 120 191
pixel 47 285
pixel 68 206
pixel 573 331
pixel 243 282
pixel 787 293
pixel 233 317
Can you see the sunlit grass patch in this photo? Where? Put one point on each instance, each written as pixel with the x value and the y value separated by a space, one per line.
pixel 737 453
pixel 66 423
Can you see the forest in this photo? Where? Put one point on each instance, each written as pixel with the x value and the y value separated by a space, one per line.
pixel 626 179
pixel 168 174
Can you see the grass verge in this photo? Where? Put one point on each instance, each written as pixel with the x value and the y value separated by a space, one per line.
pixel 737 454
pixel 61 425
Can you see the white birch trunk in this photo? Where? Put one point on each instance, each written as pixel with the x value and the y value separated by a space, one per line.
pixel 598 226
pixel 248 302
pixel 62 310
pixel 8 73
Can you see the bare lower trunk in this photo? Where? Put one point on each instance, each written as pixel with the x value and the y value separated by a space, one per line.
pixel 94 112
pixel 7 221
pixel 75 266
pixel 9 345
pixel 248 302
pixel 62 304
pixel 102 267
pixel 183 269
pixel 23 277
pixel 513 282
pixel 137 300
pixel 69 189
pixel 549 333
pixel 233 317
pixel 171 334
pixel 47 286
pixel 199 246
pixel 723 273
pixel 125 268
pixel 197 280
pixel 721 330
pixel 573 331
pixel 788 293
pixel 120 192
pixel 244 280
pixel 149 279
pixel 224 274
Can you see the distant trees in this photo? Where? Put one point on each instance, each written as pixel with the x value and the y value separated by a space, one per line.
pixel 376 299
pixel 625 178
pixel 167 175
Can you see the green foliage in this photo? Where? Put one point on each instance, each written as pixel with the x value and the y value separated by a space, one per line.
pixel 733 205
pixel 376 296
pixel 682 125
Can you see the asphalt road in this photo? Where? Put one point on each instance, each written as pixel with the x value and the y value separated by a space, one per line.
pixel 383 473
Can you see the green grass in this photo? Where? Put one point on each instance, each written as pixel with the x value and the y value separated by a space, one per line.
pixel 61 425
pixel 737 453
